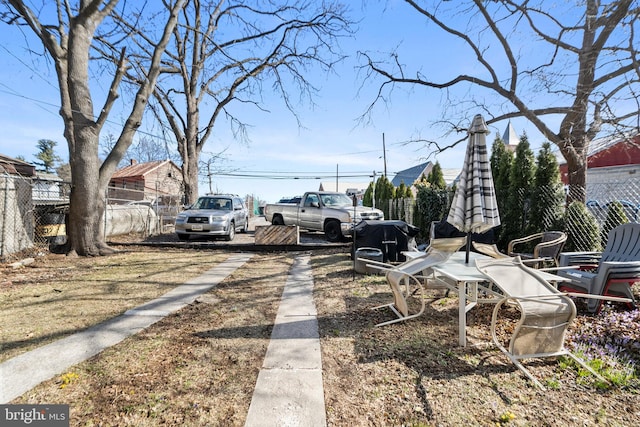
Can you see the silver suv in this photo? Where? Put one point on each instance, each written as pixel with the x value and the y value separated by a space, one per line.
pixel 217 215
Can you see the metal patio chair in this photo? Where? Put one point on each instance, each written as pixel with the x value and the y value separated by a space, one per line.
pixel 404 279
pixel 545 313
pixel 548 246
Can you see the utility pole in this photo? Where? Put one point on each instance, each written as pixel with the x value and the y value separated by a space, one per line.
pixel 373 193
pixel 209 175
pixel 384 155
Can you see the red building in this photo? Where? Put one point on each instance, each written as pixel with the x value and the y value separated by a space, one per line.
pixel 617 155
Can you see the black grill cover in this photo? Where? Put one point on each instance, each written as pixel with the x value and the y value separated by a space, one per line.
pixel 391 237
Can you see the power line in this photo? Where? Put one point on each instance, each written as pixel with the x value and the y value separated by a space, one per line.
pixel 34 71
pixel 11 91
pixel 268 172
pixel 283 177
pixel 360 152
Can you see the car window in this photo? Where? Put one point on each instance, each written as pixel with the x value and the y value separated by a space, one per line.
pixel 225 204
pixel 336 199
pixel 311 198
pixel 200 203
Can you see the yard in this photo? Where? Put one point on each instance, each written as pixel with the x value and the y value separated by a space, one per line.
pixel 199 366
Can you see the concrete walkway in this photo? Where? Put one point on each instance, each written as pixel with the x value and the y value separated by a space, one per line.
pixel 22 373
pixel 289 389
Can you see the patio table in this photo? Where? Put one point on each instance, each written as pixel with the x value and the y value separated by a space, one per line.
pixel 466 280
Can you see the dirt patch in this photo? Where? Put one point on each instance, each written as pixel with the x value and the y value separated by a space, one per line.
pixel 199 366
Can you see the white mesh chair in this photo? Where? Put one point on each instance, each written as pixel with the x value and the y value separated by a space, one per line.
pixel 489 250
pixel 404 279
pixel 545 313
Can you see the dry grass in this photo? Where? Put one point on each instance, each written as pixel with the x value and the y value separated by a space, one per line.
pixel 199 365
pixel 56 296
pixel 414 373
pixel 195 367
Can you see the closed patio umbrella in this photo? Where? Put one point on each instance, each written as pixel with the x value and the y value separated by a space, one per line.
pixel 474 208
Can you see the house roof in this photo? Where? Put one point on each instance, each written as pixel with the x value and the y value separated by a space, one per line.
pixel 140 169
pixel 601 144
pixel 16 166
pixel 451 176
pixel 47 176
pixel 411 175
pixel 628 148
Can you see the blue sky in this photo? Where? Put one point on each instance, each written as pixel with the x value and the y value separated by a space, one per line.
pixel 332 139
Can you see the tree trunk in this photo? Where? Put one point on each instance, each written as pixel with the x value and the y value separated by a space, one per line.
pixel 87 201
pixel 577 174
pixel 190 178
pixel 191 153
pixel 86 204
pixel 577 182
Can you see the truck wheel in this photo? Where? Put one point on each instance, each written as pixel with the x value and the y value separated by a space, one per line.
pixel 332 231
pixel 277 220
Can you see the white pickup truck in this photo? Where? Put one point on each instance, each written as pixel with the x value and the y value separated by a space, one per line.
pixel 326 211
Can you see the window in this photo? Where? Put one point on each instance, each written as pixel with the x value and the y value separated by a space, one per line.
pixel 311 198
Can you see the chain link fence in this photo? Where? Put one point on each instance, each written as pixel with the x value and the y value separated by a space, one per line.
pixel 32 214
pixel 607 206
pixel 33 211
pixel 541 209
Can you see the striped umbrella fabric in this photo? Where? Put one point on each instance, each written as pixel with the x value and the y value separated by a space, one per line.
pixel 474 208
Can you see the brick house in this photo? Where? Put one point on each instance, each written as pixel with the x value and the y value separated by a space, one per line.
pixel 150 181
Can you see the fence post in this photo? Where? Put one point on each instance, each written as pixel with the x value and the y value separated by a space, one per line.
pixel 106 205
pixel 3 237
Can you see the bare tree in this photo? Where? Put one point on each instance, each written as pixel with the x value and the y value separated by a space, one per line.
pixel 224 52
pixel 571 70
pixel 67 31
pixel 148 149
pixel 144 149
pixel 208 168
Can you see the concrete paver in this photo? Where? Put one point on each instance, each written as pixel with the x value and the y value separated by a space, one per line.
pixel 289 390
